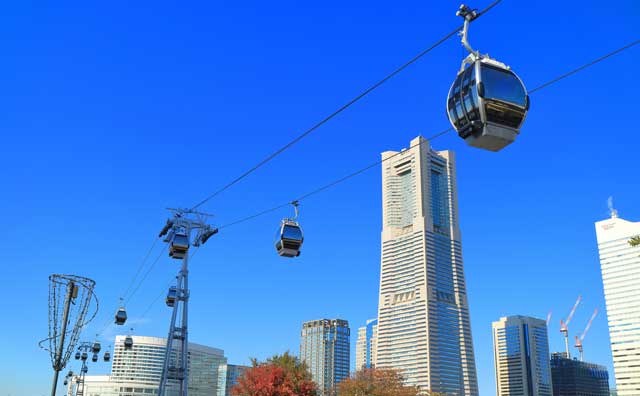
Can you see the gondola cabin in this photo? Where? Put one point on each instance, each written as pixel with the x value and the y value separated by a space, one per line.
pixel 128 342
pixel 121 316
pixel 289 239
pixel 487 104
pixel 179 245
pixel 171 296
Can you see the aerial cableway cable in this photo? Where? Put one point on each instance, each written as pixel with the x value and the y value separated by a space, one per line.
pixel 376 163
pixel 429 139
pixel 300 137
pixel 339 110
pixel 372 165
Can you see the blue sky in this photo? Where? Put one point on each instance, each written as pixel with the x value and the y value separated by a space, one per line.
pixel 110 113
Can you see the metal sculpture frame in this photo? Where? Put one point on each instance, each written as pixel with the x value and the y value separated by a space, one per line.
pixel 78 292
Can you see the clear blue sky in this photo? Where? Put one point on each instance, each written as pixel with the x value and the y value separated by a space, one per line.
pixel 111 113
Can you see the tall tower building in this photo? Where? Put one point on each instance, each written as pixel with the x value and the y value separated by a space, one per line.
pixel 367 344
pixel 423 315
pixel 620 264
pixel 521 355
pixel 324 347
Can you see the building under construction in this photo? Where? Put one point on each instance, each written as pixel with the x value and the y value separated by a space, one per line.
pixel 572 377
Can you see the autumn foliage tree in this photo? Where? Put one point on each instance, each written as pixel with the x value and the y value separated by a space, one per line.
pixel 280 375
pixel 376 382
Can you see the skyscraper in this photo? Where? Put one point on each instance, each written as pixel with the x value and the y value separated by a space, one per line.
pixel 620 264
pixel 521 356
pixel 572 377
pixel 423 315
pixel 367 344
pixel 324 347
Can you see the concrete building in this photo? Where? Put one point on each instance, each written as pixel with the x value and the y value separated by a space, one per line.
pixel 137 371
pixel 367 344
pixel 228 376
pixel 423 314
pixel 620 264
pixel 572 377
pixel 521 356
pixel 325 348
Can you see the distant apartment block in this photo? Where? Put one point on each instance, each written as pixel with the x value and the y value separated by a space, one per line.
pixel 521 357
pixel 325 348
pixel 366 345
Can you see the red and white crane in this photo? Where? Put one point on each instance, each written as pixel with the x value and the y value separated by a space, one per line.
pixel 564 325
pixel 584 334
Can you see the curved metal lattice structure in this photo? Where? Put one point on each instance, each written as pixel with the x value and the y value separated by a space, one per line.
pixel 70 299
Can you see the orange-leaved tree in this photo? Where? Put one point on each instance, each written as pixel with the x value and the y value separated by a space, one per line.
pixel 280 375
pixel 376 382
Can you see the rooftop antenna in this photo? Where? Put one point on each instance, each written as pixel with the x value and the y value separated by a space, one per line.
pixel 612 211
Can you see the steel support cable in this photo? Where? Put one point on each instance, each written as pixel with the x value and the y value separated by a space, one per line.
pixel 431 138
pixel 162 292
pixel 586 65
pixel 106 324
pixel 146 257
pixel 340 109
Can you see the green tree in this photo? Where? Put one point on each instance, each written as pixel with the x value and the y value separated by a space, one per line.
pixel 635 241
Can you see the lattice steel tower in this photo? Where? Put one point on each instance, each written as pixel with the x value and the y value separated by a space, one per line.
pixel 177 234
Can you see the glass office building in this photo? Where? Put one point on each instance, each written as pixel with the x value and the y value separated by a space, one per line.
pixel 620 264
pixel 325 348
pixel 423 314
pixel 137 371
pixel 521 357
pixel 228 375
pixel 572 377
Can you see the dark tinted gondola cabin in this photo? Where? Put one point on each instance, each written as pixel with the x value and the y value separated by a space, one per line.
pixel 128 342
pixel 289 239
pixel 487 104
pixel 121 316
pixel 171 296
pixel 107 356
pixel 179 245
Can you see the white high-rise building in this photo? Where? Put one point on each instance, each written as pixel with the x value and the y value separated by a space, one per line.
pixel 367 344
pixel 521 357
pixel 423 315
pixel 137 371
pixel 620 265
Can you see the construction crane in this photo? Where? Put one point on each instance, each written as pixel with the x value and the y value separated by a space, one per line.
pixel 564 326
pixel 584 334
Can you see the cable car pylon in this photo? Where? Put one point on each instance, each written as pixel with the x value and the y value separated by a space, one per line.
pixel 178 234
